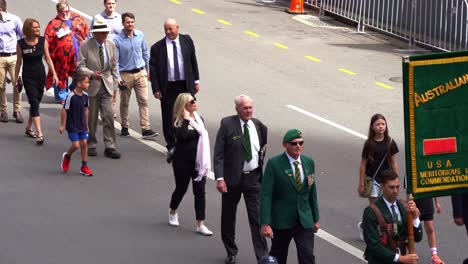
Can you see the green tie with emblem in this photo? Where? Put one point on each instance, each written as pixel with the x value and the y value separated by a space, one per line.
pixel 395 215
pixel 101 56
pixel 297 173
pixel 247 145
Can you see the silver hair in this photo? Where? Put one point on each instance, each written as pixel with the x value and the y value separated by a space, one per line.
pixel 241 97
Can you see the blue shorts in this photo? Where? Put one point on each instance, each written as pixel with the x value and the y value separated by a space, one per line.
pixel 76 136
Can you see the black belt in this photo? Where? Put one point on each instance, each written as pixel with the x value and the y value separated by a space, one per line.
pixel 6 54
pixel 249 172
pixel 137 70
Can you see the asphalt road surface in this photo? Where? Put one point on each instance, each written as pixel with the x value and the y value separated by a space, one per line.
pixel 326 81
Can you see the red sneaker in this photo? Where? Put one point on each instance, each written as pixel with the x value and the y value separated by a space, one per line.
pixel 65 165
pixel 436 260
pixel 86 171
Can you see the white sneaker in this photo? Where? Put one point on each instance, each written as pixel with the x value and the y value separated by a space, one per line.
pixel 361 232
pixel 173 219
pixel 203 230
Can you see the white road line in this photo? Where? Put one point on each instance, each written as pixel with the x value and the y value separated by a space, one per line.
pixel 326 121
pixel 321 233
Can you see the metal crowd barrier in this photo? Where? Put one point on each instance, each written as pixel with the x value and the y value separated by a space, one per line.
pixel 437 24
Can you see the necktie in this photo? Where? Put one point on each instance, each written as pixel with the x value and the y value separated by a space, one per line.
pixel 248 147
pixel 297 173
pixel 101 56
pixel 394 213
pixel 176 62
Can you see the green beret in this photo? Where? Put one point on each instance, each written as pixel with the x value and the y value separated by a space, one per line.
pixel 291 135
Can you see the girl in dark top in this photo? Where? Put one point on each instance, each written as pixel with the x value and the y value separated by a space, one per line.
pixel 30 50
pixel 191 161
pixel 378 146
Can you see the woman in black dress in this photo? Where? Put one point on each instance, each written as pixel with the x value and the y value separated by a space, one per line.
pixel 30 50
pixel 192 161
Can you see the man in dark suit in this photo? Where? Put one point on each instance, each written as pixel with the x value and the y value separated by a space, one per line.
pixel 288 201
pixel 173 70
pixel 238 159
pixel 390 247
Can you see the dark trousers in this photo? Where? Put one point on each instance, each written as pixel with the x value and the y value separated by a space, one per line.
pixel 249 186
pixel 304 239
pixel 167 106
pixel 183 173
pixel 34 98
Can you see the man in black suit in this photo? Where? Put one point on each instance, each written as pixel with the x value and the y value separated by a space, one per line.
pixel 173 70
pixel 238 159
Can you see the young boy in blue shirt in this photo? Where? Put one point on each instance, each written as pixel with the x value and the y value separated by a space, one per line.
pixel 74 118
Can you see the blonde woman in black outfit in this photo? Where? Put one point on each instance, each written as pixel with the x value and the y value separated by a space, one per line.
pixel 30 51
pixel 191 161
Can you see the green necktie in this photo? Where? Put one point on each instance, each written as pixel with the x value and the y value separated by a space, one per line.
pixel 395 215
pixel 248 147
pixel 297 173
pixel 101 56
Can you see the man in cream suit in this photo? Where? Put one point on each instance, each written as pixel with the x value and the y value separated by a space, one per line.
pixel 97 59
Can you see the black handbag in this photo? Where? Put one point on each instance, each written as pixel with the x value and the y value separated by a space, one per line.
pixel 19 85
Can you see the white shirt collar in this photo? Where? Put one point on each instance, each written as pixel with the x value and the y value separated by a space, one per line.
pixel 113 15
pixel 169 41
pixel 291 160
pixel 389 204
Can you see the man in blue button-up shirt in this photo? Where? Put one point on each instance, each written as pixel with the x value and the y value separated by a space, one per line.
pixel 132 64
pixel 10 33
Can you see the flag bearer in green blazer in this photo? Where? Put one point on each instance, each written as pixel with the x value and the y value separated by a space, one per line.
pixel 389 246
pixel 288 201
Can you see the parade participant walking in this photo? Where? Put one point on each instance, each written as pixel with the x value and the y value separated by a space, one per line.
pixel 385 225
pixel 288 201
pixel 426 208
pixel 111 17
pixel 64 33
pixel 31 50
pixel 191 160
pixel 74 118
pixel 460 212
pixel 378 154
pixel 173 70
pixel 238 167
pixel 98 60
pixel 10 33
pixel 133 67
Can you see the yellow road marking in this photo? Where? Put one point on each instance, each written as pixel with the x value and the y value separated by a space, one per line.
pixel 347 71
pixel 312 58
pixel 385 85
pixel 281 46
pixel 251 33
pixel 176 2
pixel 224 22
pixel 198 11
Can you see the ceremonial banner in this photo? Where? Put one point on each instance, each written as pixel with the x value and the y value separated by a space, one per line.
pixel 435 91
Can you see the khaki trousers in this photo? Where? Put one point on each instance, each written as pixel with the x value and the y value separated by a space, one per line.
pixel 8 64
pixel 101 103
pixel 138 82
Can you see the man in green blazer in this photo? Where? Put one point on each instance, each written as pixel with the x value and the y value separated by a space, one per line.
pixel 394 212
pixel 288 201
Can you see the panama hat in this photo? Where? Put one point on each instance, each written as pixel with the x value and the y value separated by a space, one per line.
pixel 99 26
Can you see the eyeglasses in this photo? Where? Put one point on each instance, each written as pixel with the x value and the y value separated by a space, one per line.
pixel 193 101
pixel 296 142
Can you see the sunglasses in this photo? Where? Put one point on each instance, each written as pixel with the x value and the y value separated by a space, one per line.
pixel 295 143
pixel 193 101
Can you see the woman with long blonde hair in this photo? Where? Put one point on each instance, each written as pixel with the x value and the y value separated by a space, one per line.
pixel 192 161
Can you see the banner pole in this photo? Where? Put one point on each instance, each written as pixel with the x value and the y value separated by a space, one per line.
pixel 409 225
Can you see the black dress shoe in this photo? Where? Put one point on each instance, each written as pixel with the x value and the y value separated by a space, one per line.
pixel 230 260
pixel 170 155
pixel 92 152
pixel 111 153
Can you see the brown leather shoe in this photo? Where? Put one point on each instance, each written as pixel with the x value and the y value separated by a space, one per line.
pixel 4 117
pixel 18 117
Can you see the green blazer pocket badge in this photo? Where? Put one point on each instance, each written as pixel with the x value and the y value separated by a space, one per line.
pixel 236 137
pixel 310 180
pixel 288 172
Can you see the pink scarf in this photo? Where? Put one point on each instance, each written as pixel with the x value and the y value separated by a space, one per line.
pixel 203 159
